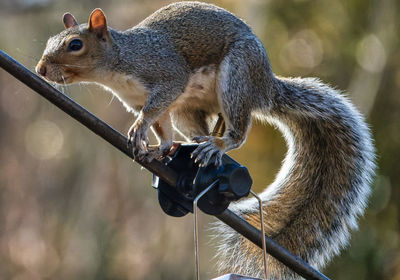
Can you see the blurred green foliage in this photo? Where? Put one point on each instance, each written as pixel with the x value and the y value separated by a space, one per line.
pixel 72 207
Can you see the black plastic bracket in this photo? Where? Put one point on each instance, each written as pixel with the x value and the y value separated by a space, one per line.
pixel 234 182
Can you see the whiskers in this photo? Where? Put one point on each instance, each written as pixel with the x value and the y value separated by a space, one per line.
pixel 63 78
pixel 58 87
pixel 111 100
pixel 74 65
pixel 65 86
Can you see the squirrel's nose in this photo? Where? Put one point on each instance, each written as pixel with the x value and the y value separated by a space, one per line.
pixel 41 69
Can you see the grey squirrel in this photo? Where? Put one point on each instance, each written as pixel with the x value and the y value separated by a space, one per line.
pixel 189 61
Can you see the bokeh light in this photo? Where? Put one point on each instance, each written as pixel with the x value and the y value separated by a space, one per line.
pixel 371 54
pixel 43 139
pixel 73 207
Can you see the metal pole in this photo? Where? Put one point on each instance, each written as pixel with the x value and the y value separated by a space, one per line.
pixel 119 141
pixel 82 115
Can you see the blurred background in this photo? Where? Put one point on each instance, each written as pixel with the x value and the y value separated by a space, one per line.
pixel 73 207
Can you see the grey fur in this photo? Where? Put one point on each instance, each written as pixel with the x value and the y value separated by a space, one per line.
pixel 322 187
pixel 190 61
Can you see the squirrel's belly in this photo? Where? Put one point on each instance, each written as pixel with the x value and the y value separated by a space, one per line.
pixel 200 90
pixel 130 91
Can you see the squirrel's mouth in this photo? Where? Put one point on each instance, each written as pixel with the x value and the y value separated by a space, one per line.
pixel 53 74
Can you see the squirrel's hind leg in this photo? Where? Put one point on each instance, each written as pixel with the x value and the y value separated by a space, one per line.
pixel 233 86
pixel 191 122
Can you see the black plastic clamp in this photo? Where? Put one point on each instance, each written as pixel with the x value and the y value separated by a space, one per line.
pixel 234 182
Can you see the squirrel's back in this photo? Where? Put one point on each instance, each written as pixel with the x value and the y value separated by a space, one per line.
pixel 201 33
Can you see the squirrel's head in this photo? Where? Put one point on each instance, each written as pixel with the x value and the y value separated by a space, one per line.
pixel 73 55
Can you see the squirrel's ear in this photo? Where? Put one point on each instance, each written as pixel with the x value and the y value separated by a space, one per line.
pixel 69 20
pixel 97 23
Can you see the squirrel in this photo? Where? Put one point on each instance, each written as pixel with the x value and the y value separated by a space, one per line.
pixel 190 61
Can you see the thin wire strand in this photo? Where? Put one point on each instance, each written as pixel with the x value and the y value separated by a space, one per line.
pixel 196 233
pixel 264 247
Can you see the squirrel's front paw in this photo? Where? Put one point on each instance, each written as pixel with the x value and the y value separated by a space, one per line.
pixel 137 137
pixel 212 147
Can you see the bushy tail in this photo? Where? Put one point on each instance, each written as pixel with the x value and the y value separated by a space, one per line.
pixel 321 189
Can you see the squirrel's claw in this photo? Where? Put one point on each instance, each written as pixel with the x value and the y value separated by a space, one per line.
pixel 207 151
pixel 138 140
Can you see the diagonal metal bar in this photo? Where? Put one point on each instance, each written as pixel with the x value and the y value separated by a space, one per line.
pixel 79 113
pixel 119 141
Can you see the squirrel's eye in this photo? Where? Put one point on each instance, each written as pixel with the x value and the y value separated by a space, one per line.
pixel 75 45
